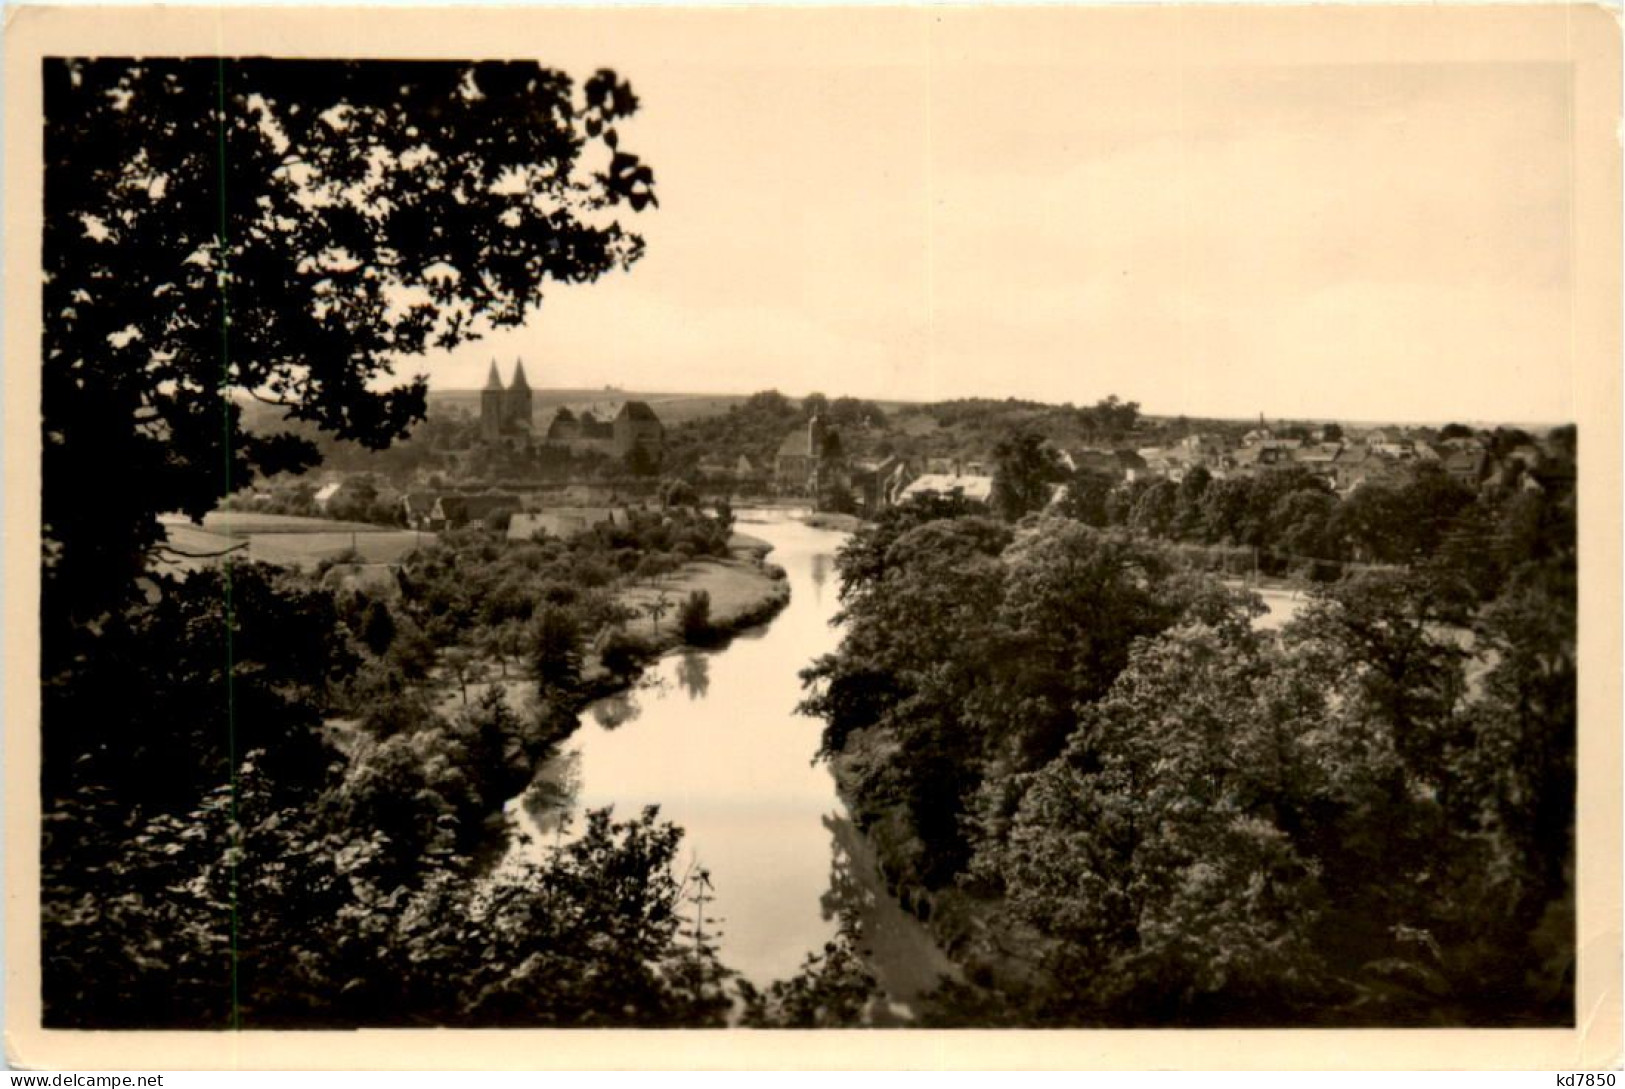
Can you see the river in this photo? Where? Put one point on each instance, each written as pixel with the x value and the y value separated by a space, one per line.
pixel 712 737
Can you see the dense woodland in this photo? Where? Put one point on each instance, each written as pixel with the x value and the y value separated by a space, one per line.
pixel 1120 804
pixel 298 831
pixel 1294 523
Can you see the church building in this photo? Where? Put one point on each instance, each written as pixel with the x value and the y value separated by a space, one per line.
pixel 505 411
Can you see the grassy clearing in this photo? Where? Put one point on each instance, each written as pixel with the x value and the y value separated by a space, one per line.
pixel 237 523
pixel 309 549
pixel 286 547
pixel 741 591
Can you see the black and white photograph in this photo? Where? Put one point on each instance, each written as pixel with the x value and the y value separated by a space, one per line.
pixel 899 519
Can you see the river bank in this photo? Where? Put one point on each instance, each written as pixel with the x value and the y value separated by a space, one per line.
pixel 949 935
pixel 713 737
pixel 745 590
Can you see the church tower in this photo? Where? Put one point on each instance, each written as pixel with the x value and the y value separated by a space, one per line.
pixel 491 406
pixel 516 401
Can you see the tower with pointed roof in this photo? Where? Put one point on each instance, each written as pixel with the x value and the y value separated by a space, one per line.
pixel 491 406
pixel 505 410
pixel 516 412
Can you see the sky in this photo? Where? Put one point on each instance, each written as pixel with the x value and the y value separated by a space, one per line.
pixel 1303 214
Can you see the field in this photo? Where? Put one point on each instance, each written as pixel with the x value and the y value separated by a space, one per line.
pixel 737 588
pixel 235 523
pixel 1283 605
pixel 285 540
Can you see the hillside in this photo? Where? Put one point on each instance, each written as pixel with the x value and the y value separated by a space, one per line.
pixel 672 408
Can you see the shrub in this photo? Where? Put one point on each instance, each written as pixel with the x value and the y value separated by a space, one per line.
pixel 694 617
pixel 622 653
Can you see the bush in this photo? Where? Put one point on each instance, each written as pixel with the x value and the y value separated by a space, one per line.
pixel 694 617
pixel 622 653
pixel 680 493
pixel 556 647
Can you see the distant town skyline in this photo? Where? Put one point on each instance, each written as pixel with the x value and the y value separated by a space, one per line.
pixel 1213 214
pixel 607 396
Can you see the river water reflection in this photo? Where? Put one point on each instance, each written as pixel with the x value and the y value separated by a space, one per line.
pixel 712 738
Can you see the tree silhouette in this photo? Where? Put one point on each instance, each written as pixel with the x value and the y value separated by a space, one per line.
pixel 658 608
pixel 226 230
pixel 1025 468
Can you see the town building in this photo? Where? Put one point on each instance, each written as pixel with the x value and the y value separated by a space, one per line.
pixel 1467 464
pixel 417 508
pixel 580 432
pixel 977 488
pixel 452 511
pixel 809 458
pixel 1116 464
pixel 878 483
pixel 634 427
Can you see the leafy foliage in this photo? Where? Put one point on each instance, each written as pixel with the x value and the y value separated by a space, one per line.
pixel 694 618
pixel 1172 818
pixel 1024 469
pixel 236 227
pixel 833 989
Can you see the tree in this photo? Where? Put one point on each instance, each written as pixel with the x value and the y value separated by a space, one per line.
pixel 1025 468
pixel 377 627
pixel 1086 497
pixel 657 609
pixel 1110 416
pixel 768 402
pixel 724 516
pixel 851 412
pixel 1386 627
pixel 640 461
pixel 694 617
pixel 1303 524
pixel 833 989
pixel 1157 509
pixel 556 647
pixel 147 719
pixel 220 230
pixel 1152 847
pixel 1224 510
pixel 622 653
pixel 680 493
pixel 462 666
pixel 411 652
pixel 837 497
pixel 1192 488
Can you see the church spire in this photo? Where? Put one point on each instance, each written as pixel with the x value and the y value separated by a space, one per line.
pixel 495 380
pixel 519 375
